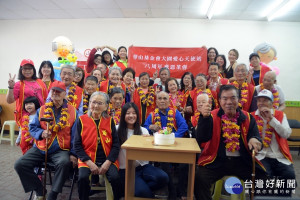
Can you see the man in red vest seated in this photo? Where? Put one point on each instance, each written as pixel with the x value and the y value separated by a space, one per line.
pixel 274 129
pixel 74 94
pixel 230 134
pixel 60 137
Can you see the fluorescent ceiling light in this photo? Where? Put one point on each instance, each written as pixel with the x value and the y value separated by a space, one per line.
pixel 216 7
pixel 271 7
pixel 283 9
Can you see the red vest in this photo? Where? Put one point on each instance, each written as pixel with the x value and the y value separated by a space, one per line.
pixel 174 114
pixel 104 87
pixel 137 101
pixel 77 97
pixel 24 145
pixel 89 135
pixel 121 65
pixel 282 142
pixel 63 136
pixel 19 103
pixel 210 150
pixel 263 71
pixel 251 90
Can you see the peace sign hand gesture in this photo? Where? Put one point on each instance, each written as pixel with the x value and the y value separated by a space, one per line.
pixel 11 81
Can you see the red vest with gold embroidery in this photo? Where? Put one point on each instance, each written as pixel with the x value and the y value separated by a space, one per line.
pixel 77 97
pixel 137 101
pixel 19 103
pixel 282 142
pixel 63 136
pixel 89 136
pixel 210 150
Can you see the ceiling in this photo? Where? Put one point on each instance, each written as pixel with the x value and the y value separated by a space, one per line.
pixel 188 9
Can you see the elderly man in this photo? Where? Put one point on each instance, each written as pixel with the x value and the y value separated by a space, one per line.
pixel 163 115
pixel 201 100
pixel 60 137
pixel 246 102
pixel 274 130
pixel 269 83
pixel 74 93
pixel 256 72
pixel 229 133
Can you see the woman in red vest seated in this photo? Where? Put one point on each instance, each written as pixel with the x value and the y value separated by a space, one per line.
pixel 247 101
pixel 121 59
pixel 201 82
pixel 97 146
pixel 147 177
pixel 46 73
pixel 144 97
pixel 28 86
pixel 214 82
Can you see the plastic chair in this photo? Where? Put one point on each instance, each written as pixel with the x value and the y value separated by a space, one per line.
pixel 11 124
pixel 107 188
pixel 218 191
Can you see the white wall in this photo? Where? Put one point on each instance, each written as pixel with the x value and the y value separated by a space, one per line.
pixel 32 39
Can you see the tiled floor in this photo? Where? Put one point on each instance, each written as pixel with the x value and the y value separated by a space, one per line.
pixel 11 188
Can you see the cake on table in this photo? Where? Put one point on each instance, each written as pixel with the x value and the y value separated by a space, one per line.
pixel 164 137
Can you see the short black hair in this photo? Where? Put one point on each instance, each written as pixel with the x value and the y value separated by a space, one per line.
pixel 213 63
pixel 128 70
pixel 46 62
pixel 32 99
pixel 21 77
pixel 96 56
pixel 228 87
pixel 116 90
pixel 91 78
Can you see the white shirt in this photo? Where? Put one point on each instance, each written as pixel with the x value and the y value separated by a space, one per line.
pixel 122 154
pixel 283 130
pixel 280 93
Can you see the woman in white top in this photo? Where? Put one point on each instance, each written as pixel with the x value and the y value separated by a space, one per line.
pixel 147 177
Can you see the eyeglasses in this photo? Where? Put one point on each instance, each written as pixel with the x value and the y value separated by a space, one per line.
pixel 78 74
pixel 99 103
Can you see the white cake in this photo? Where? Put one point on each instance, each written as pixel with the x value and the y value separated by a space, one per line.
pixel 162 139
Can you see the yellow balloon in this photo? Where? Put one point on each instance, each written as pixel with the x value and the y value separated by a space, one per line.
pixel 61 44
pixel 72 57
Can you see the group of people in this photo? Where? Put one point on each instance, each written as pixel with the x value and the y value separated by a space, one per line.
pixel 90 113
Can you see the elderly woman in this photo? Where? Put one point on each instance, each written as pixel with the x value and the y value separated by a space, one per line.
pixel 144 97
pixel 114 80
pixel 201 83
pixel 164 74
pixel 246 101
pixel 28 86
pixel 215 81
pixel 46 73
pixel 97 146
pixel 116 96
pixel 233 55
pixel 175 95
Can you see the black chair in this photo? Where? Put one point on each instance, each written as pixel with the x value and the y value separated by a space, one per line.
pixel 51 168
pixel 294 124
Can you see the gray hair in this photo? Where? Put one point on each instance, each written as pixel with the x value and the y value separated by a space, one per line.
pixel 265 48
pixel 104 114
pixel 164 68
pixel 114 68
pixel 65 66
pixel 241 64
pixel 203 94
